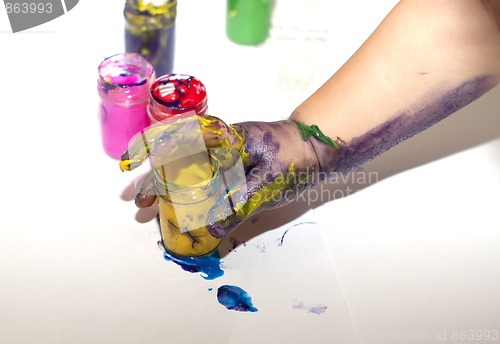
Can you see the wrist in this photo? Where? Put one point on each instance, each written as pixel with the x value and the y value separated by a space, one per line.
pixel 325 149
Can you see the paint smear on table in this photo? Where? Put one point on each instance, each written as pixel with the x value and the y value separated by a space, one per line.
pixel 280 240
pixel 314 309
pixel 235 298
pixel 208 266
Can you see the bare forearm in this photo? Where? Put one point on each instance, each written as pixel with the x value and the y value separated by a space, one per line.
pixel 426 60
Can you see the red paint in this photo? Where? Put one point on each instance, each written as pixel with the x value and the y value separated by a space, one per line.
pixel 175 95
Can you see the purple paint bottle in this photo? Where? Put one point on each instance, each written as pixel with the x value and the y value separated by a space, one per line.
pixel 150 31
pixel 123 85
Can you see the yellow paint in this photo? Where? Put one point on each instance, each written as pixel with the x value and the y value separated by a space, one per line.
pixel 187 171
pixel 186 197
pixel 164 7
pixel 187 192
pixel 200 243
pixel 274 191
pixel 142 16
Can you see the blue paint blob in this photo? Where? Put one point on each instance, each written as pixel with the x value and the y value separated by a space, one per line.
pixel 207 266
pixel 235 298
pixel 210 289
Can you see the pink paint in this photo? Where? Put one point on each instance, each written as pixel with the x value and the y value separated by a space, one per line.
pixel 123 86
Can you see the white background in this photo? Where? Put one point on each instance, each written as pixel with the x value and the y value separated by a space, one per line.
pixel 417 254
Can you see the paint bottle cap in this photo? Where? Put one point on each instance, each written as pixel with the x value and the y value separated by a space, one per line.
pixel 174 95
pixel 248 21
pixel 150 8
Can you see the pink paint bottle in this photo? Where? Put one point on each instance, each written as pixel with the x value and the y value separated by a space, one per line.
pixel 123 84
pixel 175 96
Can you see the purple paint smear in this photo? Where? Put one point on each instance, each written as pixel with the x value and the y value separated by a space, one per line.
pixel 315 310
pixel 295 225
pixel 410 122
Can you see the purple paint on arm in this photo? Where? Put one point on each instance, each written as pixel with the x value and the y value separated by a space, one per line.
pixel 410 122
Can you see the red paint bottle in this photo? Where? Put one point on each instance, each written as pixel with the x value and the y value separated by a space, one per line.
pixel 176 96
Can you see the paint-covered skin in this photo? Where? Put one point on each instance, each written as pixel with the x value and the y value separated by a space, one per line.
pixel 431 109
pixel 280 160
pixel 281 163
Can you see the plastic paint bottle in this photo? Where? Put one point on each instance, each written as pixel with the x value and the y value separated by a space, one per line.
pixel 150 31
pixel 188 187
pixel 176 96
pixel 190 192
pixel 123 84
pixel 248 21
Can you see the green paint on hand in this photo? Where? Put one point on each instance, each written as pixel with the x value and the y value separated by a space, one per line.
pixel 306 131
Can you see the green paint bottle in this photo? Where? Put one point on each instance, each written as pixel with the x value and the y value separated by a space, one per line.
pixel 248 21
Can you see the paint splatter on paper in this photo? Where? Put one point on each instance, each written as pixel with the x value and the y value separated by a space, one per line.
pixel 235 298
pixel 280 240
pixel 318 309
pixel 209 267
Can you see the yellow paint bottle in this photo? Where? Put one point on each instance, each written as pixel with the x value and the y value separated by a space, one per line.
pixel 191 195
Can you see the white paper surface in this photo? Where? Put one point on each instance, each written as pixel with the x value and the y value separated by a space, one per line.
pixel 414 254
